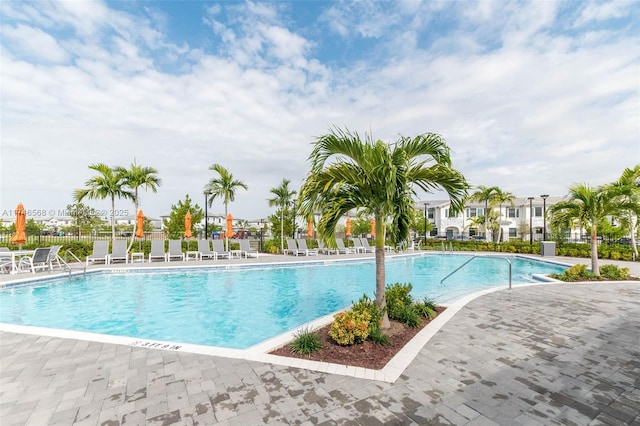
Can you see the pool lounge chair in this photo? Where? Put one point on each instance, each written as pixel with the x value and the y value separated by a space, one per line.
pixel 157 251
pixel 357 245
pixel 218 247
pixel 302 245
pixel 246 250
pixel 342 248
pixel 365 245
pixel 322 249
pixel 54 257
pixel 175 250
pixel 39 260
pixel 292 248
pixel 100 252
pixel 205 250
pixel 118 252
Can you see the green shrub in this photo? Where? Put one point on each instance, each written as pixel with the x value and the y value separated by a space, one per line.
pixel 377 336
pixel 350 327
pixel 427 308
pixel 408 314
pixel 365 304
pixel 397 298
pixel 305 342
pixel 613 272
pixel 575 273
pixel 271 246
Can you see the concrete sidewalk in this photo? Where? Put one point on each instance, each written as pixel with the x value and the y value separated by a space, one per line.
pixel 548 354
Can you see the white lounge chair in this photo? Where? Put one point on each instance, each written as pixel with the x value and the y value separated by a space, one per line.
pixel 342 248
pixel 365 245
pixel 157 251
pixel 302 245
pixel 325 250
pixel 218 247
pixel 54 257
pixel 246 249
pixel 292 248
pixel 357 245
pixel 175 250
pixel 118 252
pixel 205 250
pixel 39 260
pixel 100 252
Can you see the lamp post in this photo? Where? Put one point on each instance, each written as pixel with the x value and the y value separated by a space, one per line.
pixel 544 216
pixel 425 222
pixel 261 232
pixel 206 216
pixel 530 220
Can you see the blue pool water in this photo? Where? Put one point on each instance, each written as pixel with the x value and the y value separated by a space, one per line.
pixel 237 308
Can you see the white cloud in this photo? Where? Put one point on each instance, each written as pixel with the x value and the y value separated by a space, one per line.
pixel 33 43
pixel 536 112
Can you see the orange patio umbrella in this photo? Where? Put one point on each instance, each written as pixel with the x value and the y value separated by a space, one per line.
pixel 310 228
pixel 140 224
pixel 187 225
pixel 229 224
pixel 373 227
pixel 348 230
pixel 20 237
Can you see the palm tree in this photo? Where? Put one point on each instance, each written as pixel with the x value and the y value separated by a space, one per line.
pixel 500 197
pixel 588 206
pixel 283 197
pixel 109 183
pixel 629 186
pixel 223 186
pixel 485 194
pixel 135 177
pixel 380 179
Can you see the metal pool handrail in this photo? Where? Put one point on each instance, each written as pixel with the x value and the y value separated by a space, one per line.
pixel 475 257
pixel 84 267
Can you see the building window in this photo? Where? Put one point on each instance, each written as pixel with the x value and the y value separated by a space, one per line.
pixel 537 211
pixel 513 212
pixel 472 212
pixel 430 213
pixel 513 232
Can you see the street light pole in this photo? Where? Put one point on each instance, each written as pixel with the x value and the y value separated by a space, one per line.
pixel 530 220
pixel 544 216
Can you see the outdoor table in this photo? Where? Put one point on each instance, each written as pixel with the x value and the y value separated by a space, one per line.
pixel 137 255
pixel 192 255
pixel 16 254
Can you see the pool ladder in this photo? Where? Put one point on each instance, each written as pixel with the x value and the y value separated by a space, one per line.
pixel 450 247
pixel 475 257
pixel 68 268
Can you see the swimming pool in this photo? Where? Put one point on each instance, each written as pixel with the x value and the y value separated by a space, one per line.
pixel 239 307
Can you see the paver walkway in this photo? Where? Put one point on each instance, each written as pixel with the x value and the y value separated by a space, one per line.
pixel 553 354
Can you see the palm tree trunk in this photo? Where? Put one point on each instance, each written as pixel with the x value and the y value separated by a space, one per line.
pixel 226 236
pixel 135 222
pixel 633 220
pixel 282 230
pixel 113 218
pixel 594 250
pixel 380 273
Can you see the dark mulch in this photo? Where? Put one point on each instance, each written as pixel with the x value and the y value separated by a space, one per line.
pixel 366 354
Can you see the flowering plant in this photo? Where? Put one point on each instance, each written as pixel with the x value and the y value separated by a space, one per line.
pixel 350 327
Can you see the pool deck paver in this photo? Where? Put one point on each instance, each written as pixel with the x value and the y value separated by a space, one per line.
pixel 547 354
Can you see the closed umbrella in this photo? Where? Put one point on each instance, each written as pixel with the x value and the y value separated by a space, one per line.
pixel 229 230
pixel 348 231
pixel 20 237
pixel 310 228
pixel 373 227
pixel 187 225
pixel 140 224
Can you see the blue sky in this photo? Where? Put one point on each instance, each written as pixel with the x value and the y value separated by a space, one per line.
pixel 530 96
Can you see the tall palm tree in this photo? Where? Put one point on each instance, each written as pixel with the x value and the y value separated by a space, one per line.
pixel 629 186
pixel 283 197
pixel 135 177
pixel 588 206
pixel 223 186
pixel 108 183
pixel 485 194
pixel 379 178
pixel 500 197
